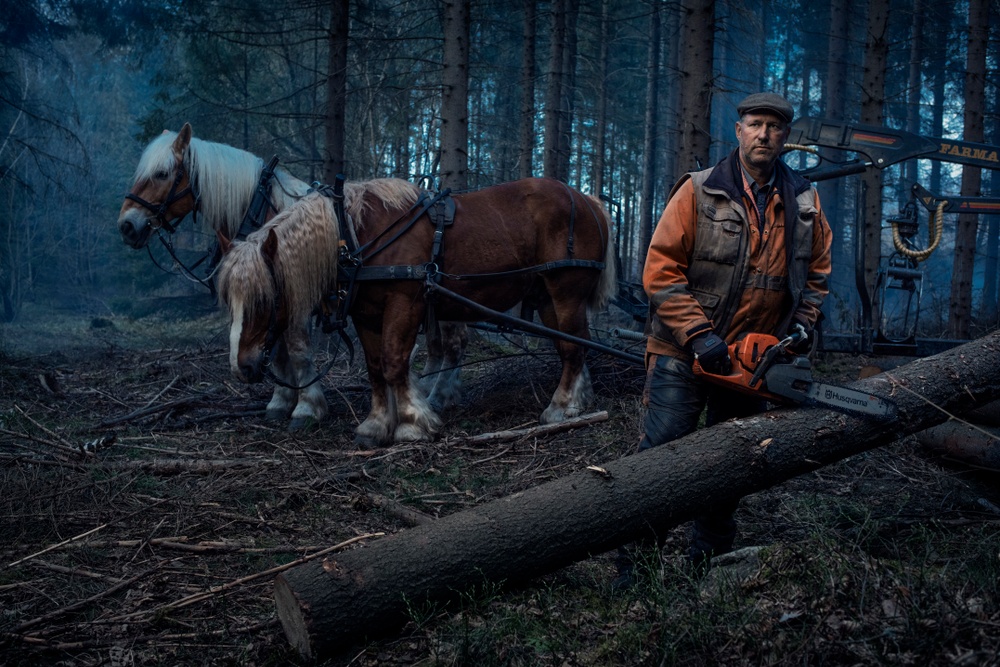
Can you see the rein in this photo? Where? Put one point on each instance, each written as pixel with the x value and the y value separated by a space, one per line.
pixel 351 269
pixel 342 297
pixel 272 336
pixel 350 260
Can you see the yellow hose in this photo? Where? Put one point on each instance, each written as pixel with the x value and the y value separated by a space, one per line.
pixel 934 235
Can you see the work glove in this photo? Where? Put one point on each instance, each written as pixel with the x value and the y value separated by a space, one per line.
pixel 712 353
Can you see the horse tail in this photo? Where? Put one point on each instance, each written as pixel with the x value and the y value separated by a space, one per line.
pixel 608 284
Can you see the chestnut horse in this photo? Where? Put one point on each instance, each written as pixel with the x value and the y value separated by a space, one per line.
pixel 179 174
pixel 534 240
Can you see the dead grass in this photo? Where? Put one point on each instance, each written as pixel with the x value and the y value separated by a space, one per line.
pixel 145 501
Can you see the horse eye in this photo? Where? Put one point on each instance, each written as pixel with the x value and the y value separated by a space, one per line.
pixel 161 175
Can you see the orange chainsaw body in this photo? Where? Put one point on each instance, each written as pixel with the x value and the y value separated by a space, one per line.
pixel 745 355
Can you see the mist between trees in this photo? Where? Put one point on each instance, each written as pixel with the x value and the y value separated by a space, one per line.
pixel 616 97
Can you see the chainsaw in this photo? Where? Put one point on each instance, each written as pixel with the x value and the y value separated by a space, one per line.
pixel 765 367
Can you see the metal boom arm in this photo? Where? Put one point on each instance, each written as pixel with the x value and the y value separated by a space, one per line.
pixel 883 147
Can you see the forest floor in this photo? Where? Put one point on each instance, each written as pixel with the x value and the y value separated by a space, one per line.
pixel 146 506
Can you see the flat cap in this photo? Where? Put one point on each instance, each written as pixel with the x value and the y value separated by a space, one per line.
pixel 766 102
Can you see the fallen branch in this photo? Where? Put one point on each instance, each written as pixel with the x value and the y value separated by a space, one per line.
pixel 407 515
pixel 75 571
pixel 540 430
pixel 179 403
pixel 215 590
pixel 196 466
pixel 182 543
pixel 46 550
pixel 125 583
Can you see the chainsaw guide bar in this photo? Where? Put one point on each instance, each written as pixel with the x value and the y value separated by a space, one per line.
pixel 763 366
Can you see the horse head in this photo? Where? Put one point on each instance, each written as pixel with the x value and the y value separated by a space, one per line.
pixel 162 192
pixel 258 315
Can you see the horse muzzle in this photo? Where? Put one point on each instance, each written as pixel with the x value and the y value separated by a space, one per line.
pixel 250 370
pixel 135 229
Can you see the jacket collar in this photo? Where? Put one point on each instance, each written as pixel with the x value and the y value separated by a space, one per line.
pixel 727 177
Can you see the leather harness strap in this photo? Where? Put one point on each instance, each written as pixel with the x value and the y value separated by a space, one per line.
pixel 440 209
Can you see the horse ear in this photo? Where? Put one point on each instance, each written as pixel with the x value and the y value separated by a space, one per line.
pixel 270 246
pixel 183 140
pixel 225 245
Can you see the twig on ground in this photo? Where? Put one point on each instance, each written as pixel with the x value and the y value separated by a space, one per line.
pixel 542 429
pixel 215 590
pixel 162 392
pixel 408 515
pixel 76 571
pixel 187 402
pixel 53 547
pixel 83 603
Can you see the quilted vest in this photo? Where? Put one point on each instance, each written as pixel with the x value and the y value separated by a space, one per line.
pixel 720 258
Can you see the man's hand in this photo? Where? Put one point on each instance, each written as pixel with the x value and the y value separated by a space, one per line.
pixel 712 353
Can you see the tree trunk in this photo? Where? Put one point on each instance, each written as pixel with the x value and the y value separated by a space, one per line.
pixel 455 96
pixel 526 132
pixel 670 112
pixel 336 91
pixel 567 94
pixel 553 90
pixel 650 154
pixel 960 308
pixel 697 46
pixel 913 89
pixel 940 66
pixel 872 105
pixel 832 191
pixel 988 314
pixel 326 606
pixel 601 121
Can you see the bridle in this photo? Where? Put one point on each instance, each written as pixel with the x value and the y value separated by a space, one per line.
pixel 159 211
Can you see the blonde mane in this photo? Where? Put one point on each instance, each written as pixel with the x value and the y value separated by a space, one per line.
pixel 392 193
pixel 225 178
pixel 305 265
pixel 308 243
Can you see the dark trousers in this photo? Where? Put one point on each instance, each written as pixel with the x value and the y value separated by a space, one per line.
pixel 674 400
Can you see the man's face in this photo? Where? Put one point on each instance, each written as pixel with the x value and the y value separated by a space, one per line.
pixel 762 136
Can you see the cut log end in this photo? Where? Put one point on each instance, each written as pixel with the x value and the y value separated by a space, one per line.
pixel 293 621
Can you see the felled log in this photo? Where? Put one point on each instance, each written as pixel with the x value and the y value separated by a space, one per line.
pixel 326 606
pixel 988 414
pixel 971 443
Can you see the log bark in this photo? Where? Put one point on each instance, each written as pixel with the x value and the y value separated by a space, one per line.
pixel 972 444
pixel 326 606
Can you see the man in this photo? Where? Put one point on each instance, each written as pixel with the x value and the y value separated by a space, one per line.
pixel 741 247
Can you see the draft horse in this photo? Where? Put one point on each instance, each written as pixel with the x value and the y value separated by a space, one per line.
pixel 234 192
pixel 180 175
pixel 535 241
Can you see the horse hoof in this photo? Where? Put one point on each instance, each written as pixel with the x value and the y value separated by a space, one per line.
pixel 411 433
pixel 552 416
pixel 299 424
pixel 367 441
pixel 276 415
pixel 439 403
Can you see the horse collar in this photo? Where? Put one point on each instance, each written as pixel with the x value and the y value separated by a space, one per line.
pixel 261 204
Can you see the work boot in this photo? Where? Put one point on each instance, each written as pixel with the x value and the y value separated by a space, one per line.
pixel 711 535
pixel 626 579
